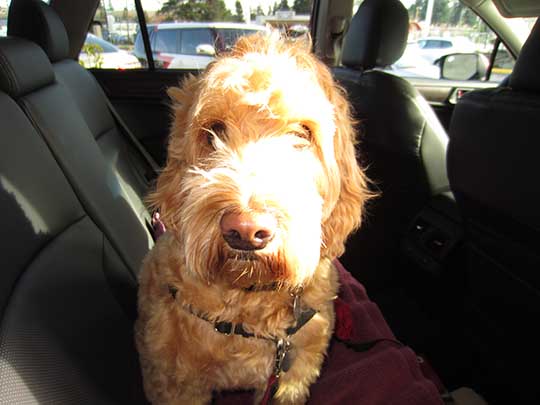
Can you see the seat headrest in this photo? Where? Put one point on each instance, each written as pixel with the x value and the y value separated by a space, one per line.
pixel 24 67
pixel 525 74
pixel 39 23
pixel 377 35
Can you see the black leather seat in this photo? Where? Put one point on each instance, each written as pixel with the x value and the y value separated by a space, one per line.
pixel 402 143
pixel 65 336
pixel 51 109
pixel 493 168
pixel 38 22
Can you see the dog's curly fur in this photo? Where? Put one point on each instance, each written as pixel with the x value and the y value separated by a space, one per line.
pixel 263 129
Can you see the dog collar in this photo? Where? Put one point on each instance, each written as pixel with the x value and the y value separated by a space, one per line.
pixel 301 316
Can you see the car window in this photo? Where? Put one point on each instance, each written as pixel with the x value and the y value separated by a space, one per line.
pixel 432 44
pixel 3 17
pixel 138 47
pixel 192 38
pixel 165 41
pixel 177 29
pixel 225 38
pixel 446 44
pixel 450 28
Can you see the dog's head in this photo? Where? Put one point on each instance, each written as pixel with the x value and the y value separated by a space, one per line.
pixel 261 179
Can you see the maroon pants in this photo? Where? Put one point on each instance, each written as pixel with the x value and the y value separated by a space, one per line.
pixel 385 372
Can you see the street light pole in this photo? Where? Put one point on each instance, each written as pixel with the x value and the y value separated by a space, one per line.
pixel 429 14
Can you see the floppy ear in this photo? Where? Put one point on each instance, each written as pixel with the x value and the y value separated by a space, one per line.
pixel 166 196
pixel 352 182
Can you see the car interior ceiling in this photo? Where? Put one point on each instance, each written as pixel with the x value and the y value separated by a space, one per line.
pixel 449 254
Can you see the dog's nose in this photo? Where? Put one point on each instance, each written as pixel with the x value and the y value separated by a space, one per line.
pixel 248 231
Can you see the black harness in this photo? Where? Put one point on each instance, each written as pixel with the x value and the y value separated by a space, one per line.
pixel 301 316
pixel 284 358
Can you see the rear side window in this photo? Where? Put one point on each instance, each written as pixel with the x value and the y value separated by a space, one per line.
pixel 446 44
pixel 177 28
pixel 3 17
pixel 431 44
pixel 225 38
pixel 192 38
pixel 166 41
pixel 138 48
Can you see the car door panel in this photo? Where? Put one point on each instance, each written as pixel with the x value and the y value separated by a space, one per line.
pixel 442 94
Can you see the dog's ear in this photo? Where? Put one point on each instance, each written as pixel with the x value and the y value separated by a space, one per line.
pixel 352 183
pixel 166 196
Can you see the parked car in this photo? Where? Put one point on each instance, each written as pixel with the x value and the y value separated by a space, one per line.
pixel 432 48
pixel 98 53
pixel 411 64
pixel 190 45
pixel 420 57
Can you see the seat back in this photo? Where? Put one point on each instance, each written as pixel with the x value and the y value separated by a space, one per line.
pixel 64 337
pixel 492 166
pixel 54 114
pixel 38 22
pixel 402 144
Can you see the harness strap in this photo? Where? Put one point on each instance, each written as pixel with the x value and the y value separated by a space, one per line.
pixel 228 328
pixel 284 357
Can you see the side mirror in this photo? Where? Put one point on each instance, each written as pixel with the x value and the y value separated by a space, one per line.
pixel 463 66
pixel 205 49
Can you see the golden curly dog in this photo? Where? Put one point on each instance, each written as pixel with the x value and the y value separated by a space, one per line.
pixel 260 191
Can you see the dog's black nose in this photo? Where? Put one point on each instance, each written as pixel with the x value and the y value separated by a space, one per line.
pixel 248 231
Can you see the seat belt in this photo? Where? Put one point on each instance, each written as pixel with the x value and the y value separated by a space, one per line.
pixel 151 163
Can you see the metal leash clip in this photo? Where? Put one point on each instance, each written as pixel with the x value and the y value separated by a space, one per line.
pixel 283 357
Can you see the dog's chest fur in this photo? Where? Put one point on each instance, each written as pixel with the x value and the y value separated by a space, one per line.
pixel 190 344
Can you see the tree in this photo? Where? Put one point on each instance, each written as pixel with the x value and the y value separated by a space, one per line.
pixel 284 5
pixel 239 16
pixel 441 11
pixel 196 10
pixel 258 11
pixel 462 15
pixel 302 6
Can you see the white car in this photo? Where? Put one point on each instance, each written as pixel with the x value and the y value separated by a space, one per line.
pixel 432 48
pixel 419 57
pixel 98 53
pixel 412 64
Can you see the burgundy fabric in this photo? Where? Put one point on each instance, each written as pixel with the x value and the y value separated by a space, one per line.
pixel 388 373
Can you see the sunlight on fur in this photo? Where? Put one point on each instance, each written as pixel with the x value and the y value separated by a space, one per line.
pixel 260 191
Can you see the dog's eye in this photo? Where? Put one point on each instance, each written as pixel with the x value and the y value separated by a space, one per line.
pixel 216 128
pixel 304 133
